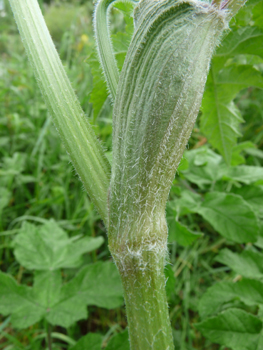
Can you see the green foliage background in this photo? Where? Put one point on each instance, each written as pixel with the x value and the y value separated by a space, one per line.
pixel 57 281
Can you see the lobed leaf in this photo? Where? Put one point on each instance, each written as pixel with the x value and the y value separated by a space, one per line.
pixel 48 247
pixel 220 117
pixel 97 284
pixel 19 302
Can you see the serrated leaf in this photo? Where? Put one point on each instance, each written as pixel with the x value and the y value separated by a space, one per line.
pixel 182 235
pixel 247 264
pixel 233 328
pixel 18 301
pixel 91 341
pixel 231 216
pixel 244 40
pixel 119 342
pixel 247 290
pixel 220 117
pixel 97 284
pixel 48 247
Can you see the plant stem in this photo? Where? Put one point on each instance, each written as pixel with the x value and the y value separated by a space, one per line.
pixel 141 264
pixel 145 291
pixel 104 45
pixel 49 337
pixel 79 139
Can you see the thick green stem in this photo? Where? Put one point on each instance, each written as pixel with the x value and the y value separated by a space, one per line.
pixel 146 305
pixel 79 139
pixel 141 264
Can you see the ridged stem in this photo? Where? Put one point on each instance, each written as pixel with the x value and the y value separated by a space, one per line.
pixel 146 306
pixel 232 5
pixel 79 139
pixel 104 45
pixel 141 265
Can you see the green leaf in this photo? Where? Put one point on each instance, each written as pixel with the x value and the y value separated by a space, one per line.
pixel 220 117
pixel 244 173
pixel 258 15
pixel 248 291
pixel 247 264
pixel 252 195
pixel 91 341
pixel 97 284
pixel 245 146
pixel 5 196
pixel 170 280
pixel 204 166
pixel 188 202
pixel 246 40
pixel 47 287
pixel 99 92
pixel 119 342
pixel 233 328
pixel 231 216
pixel 259 242
pixel 120 42
pixel 182 235
pixel 19 302
pixel 245 15
pixel 48 247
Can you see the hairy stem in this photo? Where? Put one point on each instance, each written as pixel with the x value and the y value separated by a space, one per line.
pixel 79 139
pixel 104 45
pixel 141 265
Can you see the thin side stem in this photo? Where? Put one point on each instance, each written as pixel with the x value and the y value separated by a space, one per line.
pixel 49 337
pixel 104 45
pixel 80 141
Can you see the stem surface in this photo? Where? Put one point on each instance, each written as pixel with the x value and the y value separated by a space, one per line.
pixel 146 305
pixel 79 139
pixel 104 45
pixel 141 265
